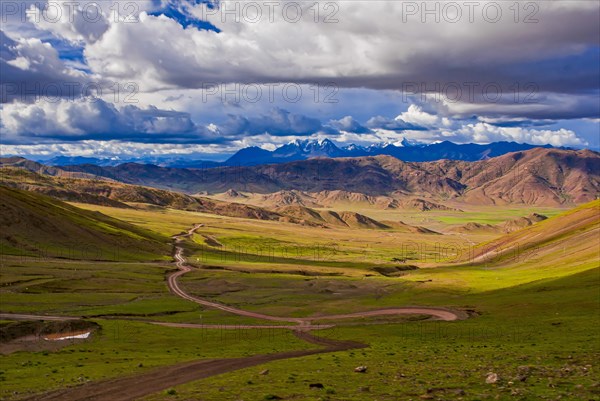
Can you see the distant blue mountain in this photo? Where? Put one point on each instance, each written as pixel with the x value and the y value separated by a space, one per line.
pixel 405 150
pixel 165 161
pixel 77 160
pixel 302 150
pixel 293 151
pixel 243 156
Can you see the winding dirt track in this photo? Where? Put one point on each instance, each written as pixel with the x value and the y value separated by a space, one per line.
pixel 133 387
pixel 304 323
pixel 184 268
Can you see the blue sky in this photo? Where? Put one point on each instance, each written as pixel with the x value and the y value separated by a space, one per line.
pixel 183 77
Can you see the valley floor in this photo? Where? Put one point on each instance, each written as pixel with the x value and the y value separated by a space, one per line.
pixel 531 332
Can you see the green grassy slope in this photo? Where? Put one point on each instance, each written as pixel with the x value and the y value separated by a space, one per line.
pixel 574 232
pixel 39 226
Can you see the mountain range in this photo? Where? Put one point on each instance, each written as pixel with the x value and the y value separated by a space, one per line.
pixel 404 150
pixel 539 176
pixel 302 150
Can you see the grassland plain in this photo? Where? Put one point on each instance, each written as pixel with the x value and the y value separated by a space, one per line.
pixel 534 325
pixel 54 286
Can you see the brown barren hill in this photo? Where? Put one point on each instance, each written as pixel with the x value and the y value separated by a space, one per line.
pixel 233 194
pixel 301 213
pixel 39 168
pixel 473 227
pixel 356 220
pixel 330 198
pixel 401 226
pixel 341 197
pixel 424 205
pixel 306 215
pixel 522 222
pixel 287 198
pixel 542 177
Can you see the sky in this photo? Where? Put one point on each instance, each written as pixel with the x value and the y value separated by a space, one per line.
pixel 205 78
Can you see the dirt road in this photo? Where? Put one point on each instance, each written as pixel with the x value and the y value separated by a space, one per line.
pixel 19 316
pixel 133 387
pixel 245 326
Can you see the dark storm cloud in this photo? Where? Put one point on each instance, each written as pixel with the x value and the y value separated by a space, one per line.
pixel 392 124
pixel 348 124
pixel 277 122
pixel 99 120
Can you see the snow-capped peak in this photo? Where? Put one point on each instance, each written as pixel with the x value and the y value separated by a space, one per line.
pixel 410 142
